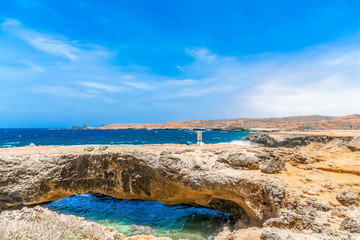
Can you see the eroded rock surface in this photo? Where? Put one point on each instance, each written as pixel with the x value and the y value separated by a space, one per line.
pixel 223 177
pixel 274 193
pixel 348 197
pixel 295 140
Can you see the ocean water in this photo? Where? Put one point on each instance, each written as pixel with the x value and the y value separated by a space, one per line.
pixel 36 137
pixel 134 217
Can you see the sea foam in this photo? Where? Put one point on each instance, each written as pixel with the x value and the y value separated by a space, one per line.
pixel 239 142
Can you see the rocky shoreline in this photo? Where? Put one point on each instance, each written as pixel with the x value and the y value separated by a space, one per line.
pixel 295 123
pixel 293 187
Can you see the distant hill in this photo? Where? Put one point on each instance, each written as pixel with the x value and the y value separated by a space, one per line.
pixel 301 123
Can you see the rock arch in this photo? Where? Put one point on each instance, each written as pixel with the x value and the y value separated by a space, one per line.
pixel 170 174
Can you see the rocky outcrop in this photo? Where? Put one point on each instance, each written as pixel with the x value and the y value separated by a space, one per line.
pixel 351 225
pixel 77 127
pixel 168 173
pixel 293 140
pixel 293 193
pixel 267 162
pixel 348 197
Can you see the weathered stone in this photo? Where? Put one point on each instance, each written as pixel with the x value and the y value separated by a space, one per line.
pixel 291 219
pixel 348 197
pixel 241 160
pixel 291 140
pixel 339 212
pixel 89 149
pixel 351 225
pixel 42 174
pixel 317 204
pixel 270 162
pixel 268 234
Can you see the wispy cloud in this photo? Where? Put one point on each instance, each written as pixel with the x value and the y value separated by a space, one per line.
pixel 106 87
pixel 35 68
pixel 139 85
pixel 61 91
pixel 322 79
pixel 41 41
pixel 182 82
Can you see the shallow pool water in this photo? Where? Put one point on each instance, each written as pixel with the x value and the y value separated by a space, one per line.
pixel 132 217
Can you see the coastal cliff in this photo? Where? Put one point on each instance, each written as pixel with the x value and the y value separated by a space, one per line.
pixel 306 193
pixel 224 178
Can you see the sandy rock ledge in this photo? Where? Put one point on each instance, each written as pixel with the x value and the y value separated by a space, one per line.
pixel 310 192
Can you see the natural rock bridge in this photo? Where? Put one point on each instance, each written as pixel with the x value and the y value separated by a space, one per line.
pixel 231 179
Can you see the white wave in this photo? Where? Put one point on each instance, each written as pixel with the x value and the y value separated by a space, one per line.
pixel 31 145
pixel 6 146
pixel 239 142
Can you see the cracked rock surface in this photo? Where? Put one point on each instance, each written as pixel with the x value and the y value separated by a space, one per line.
pixel 311 192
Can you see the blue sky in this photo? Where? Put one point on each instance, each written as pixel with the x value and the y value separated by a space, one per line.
pixel 94 62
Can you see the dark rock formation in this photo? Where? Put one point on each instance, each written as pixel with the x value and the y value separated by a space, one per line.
pixel 291 140
pixel 76 127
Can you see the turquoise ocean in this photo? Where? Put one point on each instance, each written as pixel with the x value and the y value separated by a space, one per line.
pixel 132 217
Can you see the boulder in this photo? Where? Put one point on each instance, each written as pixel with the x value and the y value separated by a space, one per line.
pixel 351 225
pixel 269 234
pixel 271 162
pixel 348 197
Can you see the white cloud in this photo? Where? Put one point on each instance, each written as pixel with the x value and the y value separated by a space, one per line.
pixel 62 91
pixel 183 82
pixel 318 80
pixel 322 79
pixel 35 68
pixel 41 41
pixel 127 77
pixel 106 87
pixel 180 68
pixel 325 81
pixel 140 85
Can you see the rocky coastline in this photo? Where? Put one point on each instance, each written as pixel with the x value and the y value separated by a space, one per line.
pixel 288 186
pixel 296 123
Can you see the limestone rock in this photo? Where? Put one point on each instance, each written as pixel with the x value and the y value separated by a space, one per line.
pixel 160 173
pixel 268 234
pixel 348 197
pixel 317 204
pixel 241 160
pixel 290 140
pixel 271 162
pixel 339 212
pixel 290 219
pixel 351 225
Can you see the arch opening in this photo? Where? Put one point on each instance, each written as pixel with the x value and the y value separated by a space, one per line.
pixel 134 217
